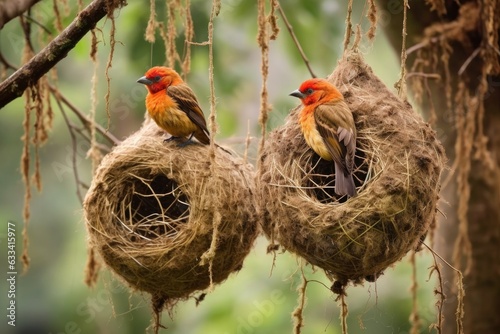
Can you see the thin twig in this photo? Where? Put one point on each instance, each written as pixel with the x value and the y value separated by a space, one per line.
pixel 468 61
pixel 348 29
pixel 263 41
pixel 414 317
pixel 26 25
pixel 213 111
pixel 74 149
pixel 401 84
pixel 421 45
pixel 41 25
pixel 295 40
pixel 83 118
pixel 461 291
pixel 423 75
pixel 6 63
pixel 438 291
pixel 343 312
pixel 298 313
pixel 494 48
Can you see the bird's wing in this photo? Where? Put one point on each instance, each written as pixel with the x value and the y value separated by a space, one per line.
pixel 187 102
pixel 335 125
pixel 348 138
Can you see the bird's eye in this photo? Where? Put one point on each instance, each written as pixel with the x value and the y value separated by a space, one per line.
pixel 309 91
pixel 156 78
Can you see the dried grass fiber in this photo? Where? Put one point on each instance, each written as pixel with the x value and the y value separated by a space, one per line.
pixel 399 161
pixel 154 210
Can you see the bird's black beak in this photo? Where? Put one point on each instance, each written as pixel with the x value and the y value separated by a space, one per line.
pixel 145 81
pixel 297 93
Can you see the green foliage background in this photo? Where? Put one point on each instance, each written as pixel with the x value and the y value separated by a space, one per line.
pixel 51 296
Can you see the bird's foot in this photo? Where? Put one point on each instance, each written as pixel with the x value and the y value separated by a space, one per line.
pixel 185 143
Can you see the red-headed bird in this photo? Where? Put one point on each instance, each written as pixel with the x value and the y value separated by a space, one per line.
pixel 328 127
pixel 173 105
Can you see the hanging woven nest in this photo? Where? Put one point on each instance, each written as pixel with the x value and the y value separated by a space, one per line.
pixel 168 220
pixel 398 164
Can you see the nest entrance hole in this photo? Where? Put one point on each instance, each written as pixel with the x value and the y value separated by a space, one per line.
pixel 320 178
pixel 153 207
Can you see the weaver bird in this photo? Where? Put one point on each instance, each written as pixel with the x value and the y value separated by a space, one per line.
pixel 328 127
pixel 173 105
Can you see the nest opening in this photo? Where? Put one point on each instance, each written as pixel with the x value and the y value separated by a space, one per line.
pixel 154 207
pixel 319 181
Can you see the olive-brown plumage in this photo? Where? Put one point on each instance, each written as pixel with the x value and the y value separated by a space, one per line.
pixel 328 127
pixel 171 103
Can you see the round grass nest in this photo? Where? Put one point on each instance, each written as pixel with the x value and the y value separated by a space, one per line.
pixel 171 220
pixel 398 165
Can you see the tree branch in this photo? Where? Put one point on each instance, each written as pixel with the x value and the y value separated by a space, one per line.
pixel 29 73
pixel 11 9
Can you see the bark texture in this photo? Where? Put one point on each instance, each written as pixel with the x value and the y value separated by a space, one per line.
pixel 467 63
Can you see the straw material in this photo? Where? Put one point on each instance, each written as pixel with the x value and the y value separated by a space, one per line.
pixel 167 221
pixel 399 162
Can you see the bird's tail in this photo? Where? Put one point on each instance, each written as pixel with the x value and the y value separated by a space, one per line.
pixel 202 136
pixel 344 184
